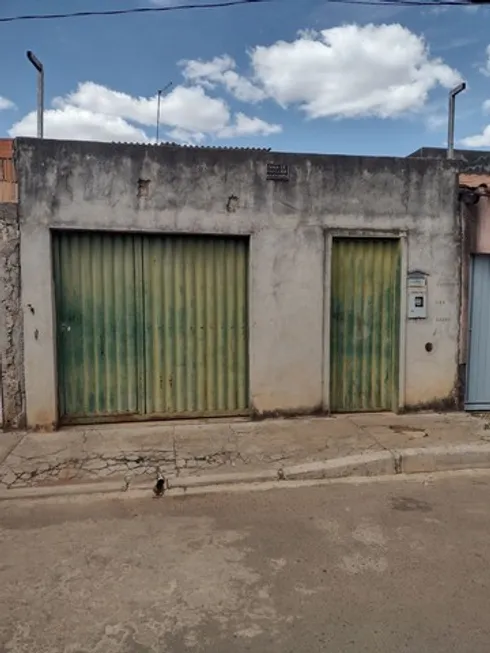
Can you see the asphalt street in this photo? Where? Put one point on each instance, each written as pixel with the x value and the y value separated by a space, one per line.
pixel 378 566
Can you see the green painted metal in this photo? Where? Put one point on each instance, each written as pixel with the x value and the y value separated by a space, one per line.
pixel 97 325
pixel 196 325
pixel 151 326
pixel 365 324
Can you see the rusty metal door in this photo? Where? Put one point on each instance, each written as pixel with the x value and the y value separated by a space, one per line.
pixel 365 324
pixel 150 326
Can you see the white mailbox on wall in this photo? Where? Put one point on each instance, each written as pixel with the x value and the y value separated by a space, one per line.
pixel 417 295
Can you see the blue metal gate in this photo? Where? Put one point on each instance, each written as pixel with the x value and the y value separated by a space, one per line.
pixel 478 364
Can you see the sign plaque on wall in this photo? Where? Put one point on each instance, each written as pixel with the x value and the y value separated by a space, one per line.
pixel 277 172
pixel 417 295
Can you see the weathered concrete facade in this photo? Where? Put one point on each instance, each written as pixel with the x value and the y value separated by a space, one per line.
pixel 474 206
pixel 11 323
pixel 136 188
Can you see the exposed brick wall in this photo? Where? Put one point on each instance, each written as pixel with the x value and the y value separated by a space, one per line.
pixel 8 178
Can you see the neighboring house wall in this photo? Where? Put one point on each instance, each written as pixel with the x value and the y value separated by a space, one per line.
pixel 136 188
pixel 475 236
pixel 12 394
pixel 11 328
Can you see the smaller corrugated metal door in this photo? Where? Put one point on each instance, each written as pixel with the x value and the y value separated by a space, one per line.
pixel 478 373
pixel 365 324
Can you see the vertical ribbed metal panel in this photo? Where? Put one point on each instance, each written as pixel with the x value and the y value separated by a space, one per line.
pixel 97 330
pixel 478 375
pixel 365 324
pixel 196 325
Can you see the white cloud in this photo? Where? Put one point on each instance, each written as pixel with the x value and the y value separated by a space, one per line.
pixel 352 71
pixel 193 110
pixel 207 72
pixel 79 124
pixel 220 70
pixel 103 100
pixel 242 126
pixel 6 103
pixel 100 113
pixel 183 136
pixel 246 126
pixel 478 140
pixel 185 108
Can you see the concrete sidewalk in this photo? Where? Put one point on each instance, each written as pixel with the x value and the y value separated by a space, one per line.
pixel 222 452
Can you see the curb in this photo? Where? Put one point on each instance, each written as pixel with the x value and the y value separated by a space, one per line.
pixel 380 463
pixel 444 458
pixel 364 464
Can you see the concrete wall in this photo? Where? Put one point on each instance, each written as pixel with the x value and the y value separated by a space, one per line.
pixel 11 325
pixel 171 189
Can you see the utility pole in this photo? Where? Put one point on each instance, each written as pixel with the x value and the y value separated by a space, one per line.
pixel 450 128
pixel 40 92
pixel 159 102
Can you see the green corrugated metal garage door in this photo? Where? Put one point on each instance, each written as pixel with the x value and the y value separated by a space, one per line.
pixel 365 324
pixel 150 326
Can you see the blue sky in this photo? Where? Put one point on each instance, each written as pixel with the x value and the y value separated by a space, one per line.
pixel 296 75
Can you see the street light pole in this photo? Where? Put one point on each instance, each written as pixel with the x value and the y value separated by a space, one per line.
pixel 158 114
pixel 159 103
pixel 450 128
pixel 40 92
